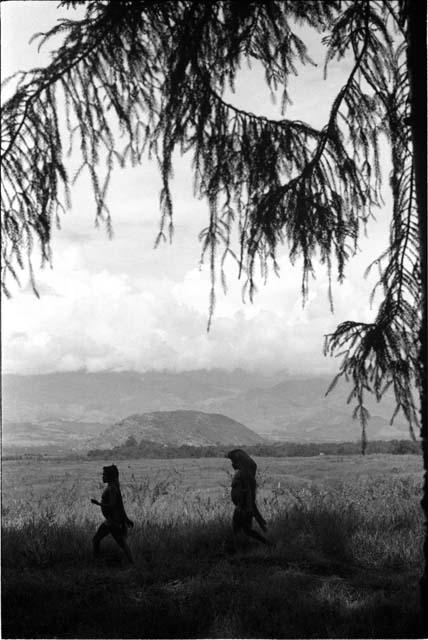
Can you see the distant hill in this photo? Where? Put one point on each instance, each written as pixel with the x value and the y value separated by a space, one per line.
pixel 68 408
pixel 193 428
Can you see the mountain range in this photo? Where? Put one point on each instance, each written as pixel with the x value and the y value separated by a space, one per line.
pixel 67 408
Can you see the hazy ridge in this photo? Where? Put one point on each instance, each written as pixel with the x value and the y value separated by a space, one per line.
pixel 66 409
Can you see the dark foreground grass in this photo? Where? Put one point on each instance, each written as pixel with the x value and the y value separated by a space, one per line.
pixel 338 570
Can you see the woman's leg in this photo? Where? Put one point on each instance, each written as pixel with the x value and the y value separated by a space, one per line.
pixel 119 534
pixel 102 532
pixel 254 534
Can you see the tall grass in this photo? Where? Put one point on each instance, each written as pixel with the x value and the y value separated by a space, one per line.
pixel 345 563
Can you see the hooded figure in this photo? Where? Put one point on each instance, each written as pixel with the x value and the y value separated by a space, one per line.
pixel 116 521
pixel 243 496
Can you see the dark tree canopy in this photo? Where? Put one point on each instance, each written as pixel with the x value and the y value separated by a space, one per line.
pixel 160 70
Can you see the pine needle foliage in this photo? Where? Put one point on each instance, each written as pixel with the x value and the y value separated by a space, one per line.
pixel 160 70
pixel 386 353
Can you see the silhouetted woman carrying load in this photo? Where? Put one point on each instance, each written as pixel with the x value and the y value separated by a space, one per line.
pixel 244 497
pixel 116 521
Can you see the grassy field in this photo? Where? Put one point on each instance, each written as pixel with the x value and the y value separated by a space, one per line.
pixel 346 562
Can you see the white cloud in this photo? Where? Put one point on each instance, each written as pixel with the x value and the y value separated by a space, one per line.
pixel 101 320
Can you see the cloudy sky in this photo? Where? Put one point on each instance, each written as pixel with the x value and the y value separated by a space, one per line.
pixel 123 305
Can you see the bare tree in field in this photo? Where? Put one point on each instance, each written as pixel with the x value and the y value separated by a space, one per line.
pixel 160 69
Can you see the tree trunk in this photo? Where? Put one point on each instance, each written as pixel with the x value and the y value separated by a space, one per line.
pixel 416 58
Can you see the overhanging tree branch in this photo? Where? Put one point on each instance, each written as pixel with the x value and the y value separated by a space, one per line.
pixel 276 181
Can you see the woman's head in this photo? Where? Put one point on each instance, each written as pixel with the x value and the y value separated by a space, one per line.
pixel 111 473
pixel 242 461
